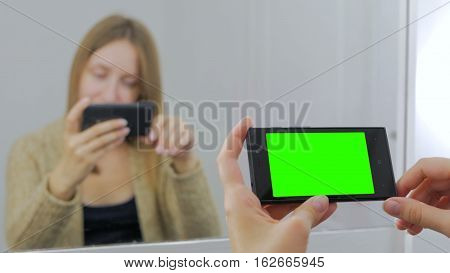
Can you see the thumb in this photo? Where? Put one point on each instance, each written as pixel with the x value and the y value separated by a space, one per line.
pixel 227 160
pixel 418 213
pixel 311 211
pixel 75 115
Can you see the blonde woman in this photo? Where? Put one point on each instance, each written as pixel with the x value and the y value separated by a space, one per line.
pixel 69 188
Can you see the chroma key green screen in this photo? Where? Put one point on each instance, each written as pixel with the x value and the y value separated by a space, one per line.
pixel 305 164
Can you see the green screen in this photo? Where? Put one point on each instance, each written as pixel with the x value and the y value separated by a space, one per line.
pixel 304 164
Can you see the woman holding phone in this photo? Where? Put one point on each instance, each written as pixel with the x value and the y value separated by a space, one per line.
pixel 69 188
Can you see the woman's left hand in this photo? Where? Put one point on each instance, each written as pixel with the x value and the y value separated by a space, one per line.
pixel 170 136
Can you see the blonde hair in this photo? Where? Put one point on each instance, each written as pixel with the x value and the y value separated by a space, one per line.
pixel 110 29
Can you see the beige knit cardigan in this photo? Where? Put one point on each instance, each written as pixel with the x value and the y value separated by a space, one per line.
pixel 177 207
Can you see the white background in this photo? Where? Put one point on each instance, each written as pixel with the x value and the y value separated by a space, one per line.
pixel 429 97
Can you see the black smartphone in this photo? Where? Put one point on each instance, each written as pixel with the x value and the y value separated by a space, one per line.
pixel 139 116
pixel 346 164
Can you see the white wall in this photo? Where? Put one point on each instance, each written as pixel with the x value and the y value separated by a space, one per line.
pixel 429 101
pixel 228 50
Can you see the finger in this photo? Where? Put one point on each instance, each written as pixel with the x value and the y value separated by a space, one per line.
pixel 425 193
pixel 419 214
pixel 73 118
pixel 266 211
pixel 443 202
pixel 278 211
pixel 311 211
pixel 433 168
pixel 158 129
pixel 414 230
pixel 157 126
pixel 100 129
pixel 186 140
pixel 165 138
pixel 102 141
pixel 145 140
pixel 99 153
pixel 402 224
pixel 229 170
pixel 433 199
pixel 405 225
pixel 152 136
pixel 410 228
pixel 184 145
pixel 174 135
pixel 331 209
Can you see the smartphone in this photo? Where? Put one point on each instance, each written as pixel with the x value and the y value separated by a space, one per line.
pixel 346 164
pixel 139 116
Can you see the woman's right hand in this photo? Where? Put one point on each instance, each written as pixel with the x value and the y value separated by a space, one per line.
pixel 82 149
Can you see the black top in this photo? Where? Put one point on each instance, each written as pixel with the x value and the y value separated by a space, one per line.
pixel 111 224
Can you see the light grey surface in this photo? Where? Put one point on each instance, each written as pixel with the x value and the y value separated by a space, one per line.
pixel 225 50
pixel 341 241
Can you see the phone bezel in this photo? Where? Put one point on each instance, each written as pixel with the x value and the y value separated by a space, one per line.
pixel 379 157
pixel 139 115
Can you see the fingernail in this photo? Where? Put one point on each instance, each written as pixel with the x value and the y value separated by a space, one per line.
pixel 392 207
pixel 124 121
pixel 152 135
pixel 126 130
pixel 320 203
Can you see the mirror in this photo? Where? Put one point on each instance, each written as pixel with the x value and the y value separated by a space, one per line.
pixel 284 64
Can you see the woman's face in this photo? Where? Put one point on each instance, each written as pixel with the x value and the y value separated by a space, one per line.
pixel 110 74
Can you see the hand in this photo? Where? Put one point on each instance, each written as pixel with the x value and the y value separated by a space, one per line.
pixel 427 187
pixel 252 228
pixel 171 137
pixel 83 149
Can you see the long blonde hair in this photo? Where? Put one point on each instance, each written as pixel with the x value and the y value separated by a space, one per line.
pixel 110 29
